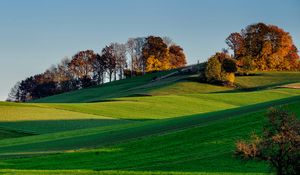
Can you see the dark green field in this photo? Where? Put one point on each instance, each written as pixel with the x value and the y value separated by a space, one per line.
pixel 174 125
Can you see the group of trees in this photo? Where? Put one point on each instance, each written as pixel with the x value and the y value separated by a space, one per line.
pixel 88 68
pixel 263 47
pixel 258 47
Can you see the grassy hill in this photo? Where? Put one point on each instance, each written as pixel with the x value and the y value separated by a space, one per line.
pixel 172 85
pixel 143 125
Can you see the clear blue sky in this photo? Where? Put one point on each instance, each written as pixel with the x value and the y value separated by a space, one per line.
pixel 37 33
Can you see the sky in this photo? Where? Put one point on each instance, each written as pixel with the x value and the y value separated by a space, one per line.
pixel 34 34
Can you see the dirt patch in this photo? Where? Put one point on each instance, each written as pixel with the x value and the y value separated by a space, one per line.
pixel 292 86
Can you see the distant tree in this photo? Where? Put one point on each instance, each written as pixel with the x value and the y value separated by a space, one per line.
pixel 153 64
pixel 14 94
pixel 220 68
pixel 279 145
pixel 64 76
pixel 135 49
pixel 119 52
pixel 100 65
pixel 81 66
pixel 292 59
pixel 213 70
pixel 267 45
pixel 43 87
pixel 155 47
pixel 236 42
pixel 107 54
pixel 177 57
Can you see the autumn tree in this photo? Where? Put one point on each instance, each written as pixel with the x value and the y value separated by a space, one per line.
pixel 213 70
pixel 107 54
pixel 100 65
pixel 279 144
pixel 268 46
pixel 81 66
pixel 177 57
pixel 156 49
pixel 220 68
pixel 236 42
pixel 65 79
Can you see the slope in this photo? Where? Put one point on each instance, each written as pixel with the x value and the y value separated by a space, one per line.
pixel 205 149
pixel 175 84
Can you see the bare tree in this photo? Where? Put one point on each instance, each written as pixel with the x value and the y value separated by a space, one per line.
pixel 107 54
pixel 119 52
pixel 100 65
pixel 14 94
pixel 135 49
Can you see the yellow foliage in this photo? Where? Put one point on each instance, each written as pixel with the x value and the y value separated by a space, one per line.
pixel 153 64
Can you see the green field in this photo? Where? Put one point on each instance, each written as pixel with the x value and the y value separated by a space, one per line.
pixel 175 125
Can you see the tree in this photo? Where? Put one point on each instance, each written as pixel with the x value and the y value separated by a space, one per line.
pixel 119 52
pixel 81 66
pixel 100 65
pixel 155 47
pixel 220 68
pixel 14 94
pixel 235 41
pixel 153 64
pixel 135 47
pixel 292 59
pixel 80 63
pixel 213 70
pixel 279 145
pixel 107 54
pixel 177 57
pixel 267 45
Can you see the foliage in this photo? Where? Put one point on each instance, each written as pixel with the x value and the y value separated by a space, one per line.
pixel 177 57
pixel 220 68
pixel 268 46
pixel 158 55
pixel 87 68
pixel 213 70
pixel 279 144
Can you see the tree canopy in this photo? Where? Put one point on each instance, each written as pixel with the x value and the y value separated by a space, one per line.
pixel 267 46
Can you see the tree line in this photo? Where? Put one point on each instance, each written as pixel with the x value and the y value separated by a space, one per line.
pixel 87 68
pixel 258 47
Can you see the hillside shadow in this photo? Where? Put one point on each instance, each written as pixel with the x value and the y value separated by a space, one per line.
pixel 257 88
pixel 50 126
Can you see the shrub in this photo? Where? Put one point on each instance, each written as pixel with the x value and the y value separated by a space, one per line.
pixel 213 70
pixel 279 145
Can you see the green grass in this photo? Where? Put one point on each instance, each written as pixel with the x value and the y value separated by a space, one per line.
pixel 179 84
pixel 207 149
pixel 268 80
pixel 169 106
pixel 119 133
pixel 7 133
pixel 90 172
pixel 34 118
pixel 171 126
pixel 120 88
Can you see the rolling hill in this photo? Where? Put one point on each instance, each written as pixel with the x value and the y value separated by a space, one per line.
pixel 162 123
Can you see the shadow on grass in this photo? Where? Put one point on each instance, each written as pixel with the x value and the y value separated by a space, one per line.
pixel 50 126
pixel 257 88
